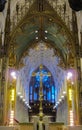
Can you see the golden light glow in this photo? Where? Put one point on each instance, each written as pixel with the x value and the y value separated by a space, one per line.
pixel 12 106
pixel 70 94
pixel 12 95
pixel 71 117
pixel 11 122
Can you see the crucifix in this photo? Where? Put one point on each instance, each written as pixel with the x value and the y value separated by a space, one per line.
pixel 41 91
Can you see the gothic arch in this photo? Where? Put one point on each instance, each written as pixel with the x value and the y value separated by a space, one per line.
pixel 66 50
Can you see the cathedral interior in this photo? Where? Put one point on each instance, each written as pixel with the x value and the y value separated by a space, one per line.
pixel 40 64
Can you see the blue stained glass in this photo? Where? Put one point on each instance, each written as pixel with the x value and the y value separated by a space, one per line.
pixel 53 101
pixel 35 96
pixel 44 97
pixel 47 85
pixel 48 96
pixel 53 97
pixel 44 92
pixel 36 86
pixel 30 97
pixel 53 94
pixel 53 89
pixel 48 89
pixel 31 90
pixel 44 78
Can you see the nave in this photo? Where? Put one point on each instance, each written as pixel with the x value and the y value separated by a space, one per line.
pixel 40 65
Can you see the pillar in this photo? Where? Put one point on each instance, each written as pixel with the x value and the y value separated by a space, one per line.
pixel 72 97
pixel 12 101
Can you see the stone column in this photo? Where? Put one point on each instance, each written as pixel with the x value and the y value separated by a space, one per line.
pixel 36 120
pixel 46 122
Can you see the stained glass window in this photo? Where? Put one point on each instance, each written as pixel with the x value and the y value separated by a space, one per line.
pixel 48 86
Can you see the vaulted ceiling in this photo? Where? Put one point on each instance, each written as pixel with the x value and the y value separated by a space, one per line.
pixel 41 54
pixel 42 28
pixel 41 37
pixel 43 24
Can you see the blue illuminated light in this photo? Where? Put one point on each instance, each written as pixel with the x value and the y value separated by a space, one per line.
pixel 53 89
pixel 48 87
pixel 31 89
pixel 53 97
pixel 35 96
pixel 49 95
pixel 44 77
pixel 30 97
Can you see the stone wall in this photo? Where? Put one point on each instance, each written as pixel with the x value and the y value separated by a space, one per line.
pixel 21 112
pixel 62 112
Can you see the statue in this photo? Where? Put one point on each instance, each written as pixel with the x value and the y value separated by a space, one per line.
pixel 75 4
pixel 2 5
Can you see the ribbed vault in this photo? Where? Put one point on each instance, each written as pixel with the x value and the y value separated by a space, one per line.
pixel 43 25
pixel 41 54
pixel 42 38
